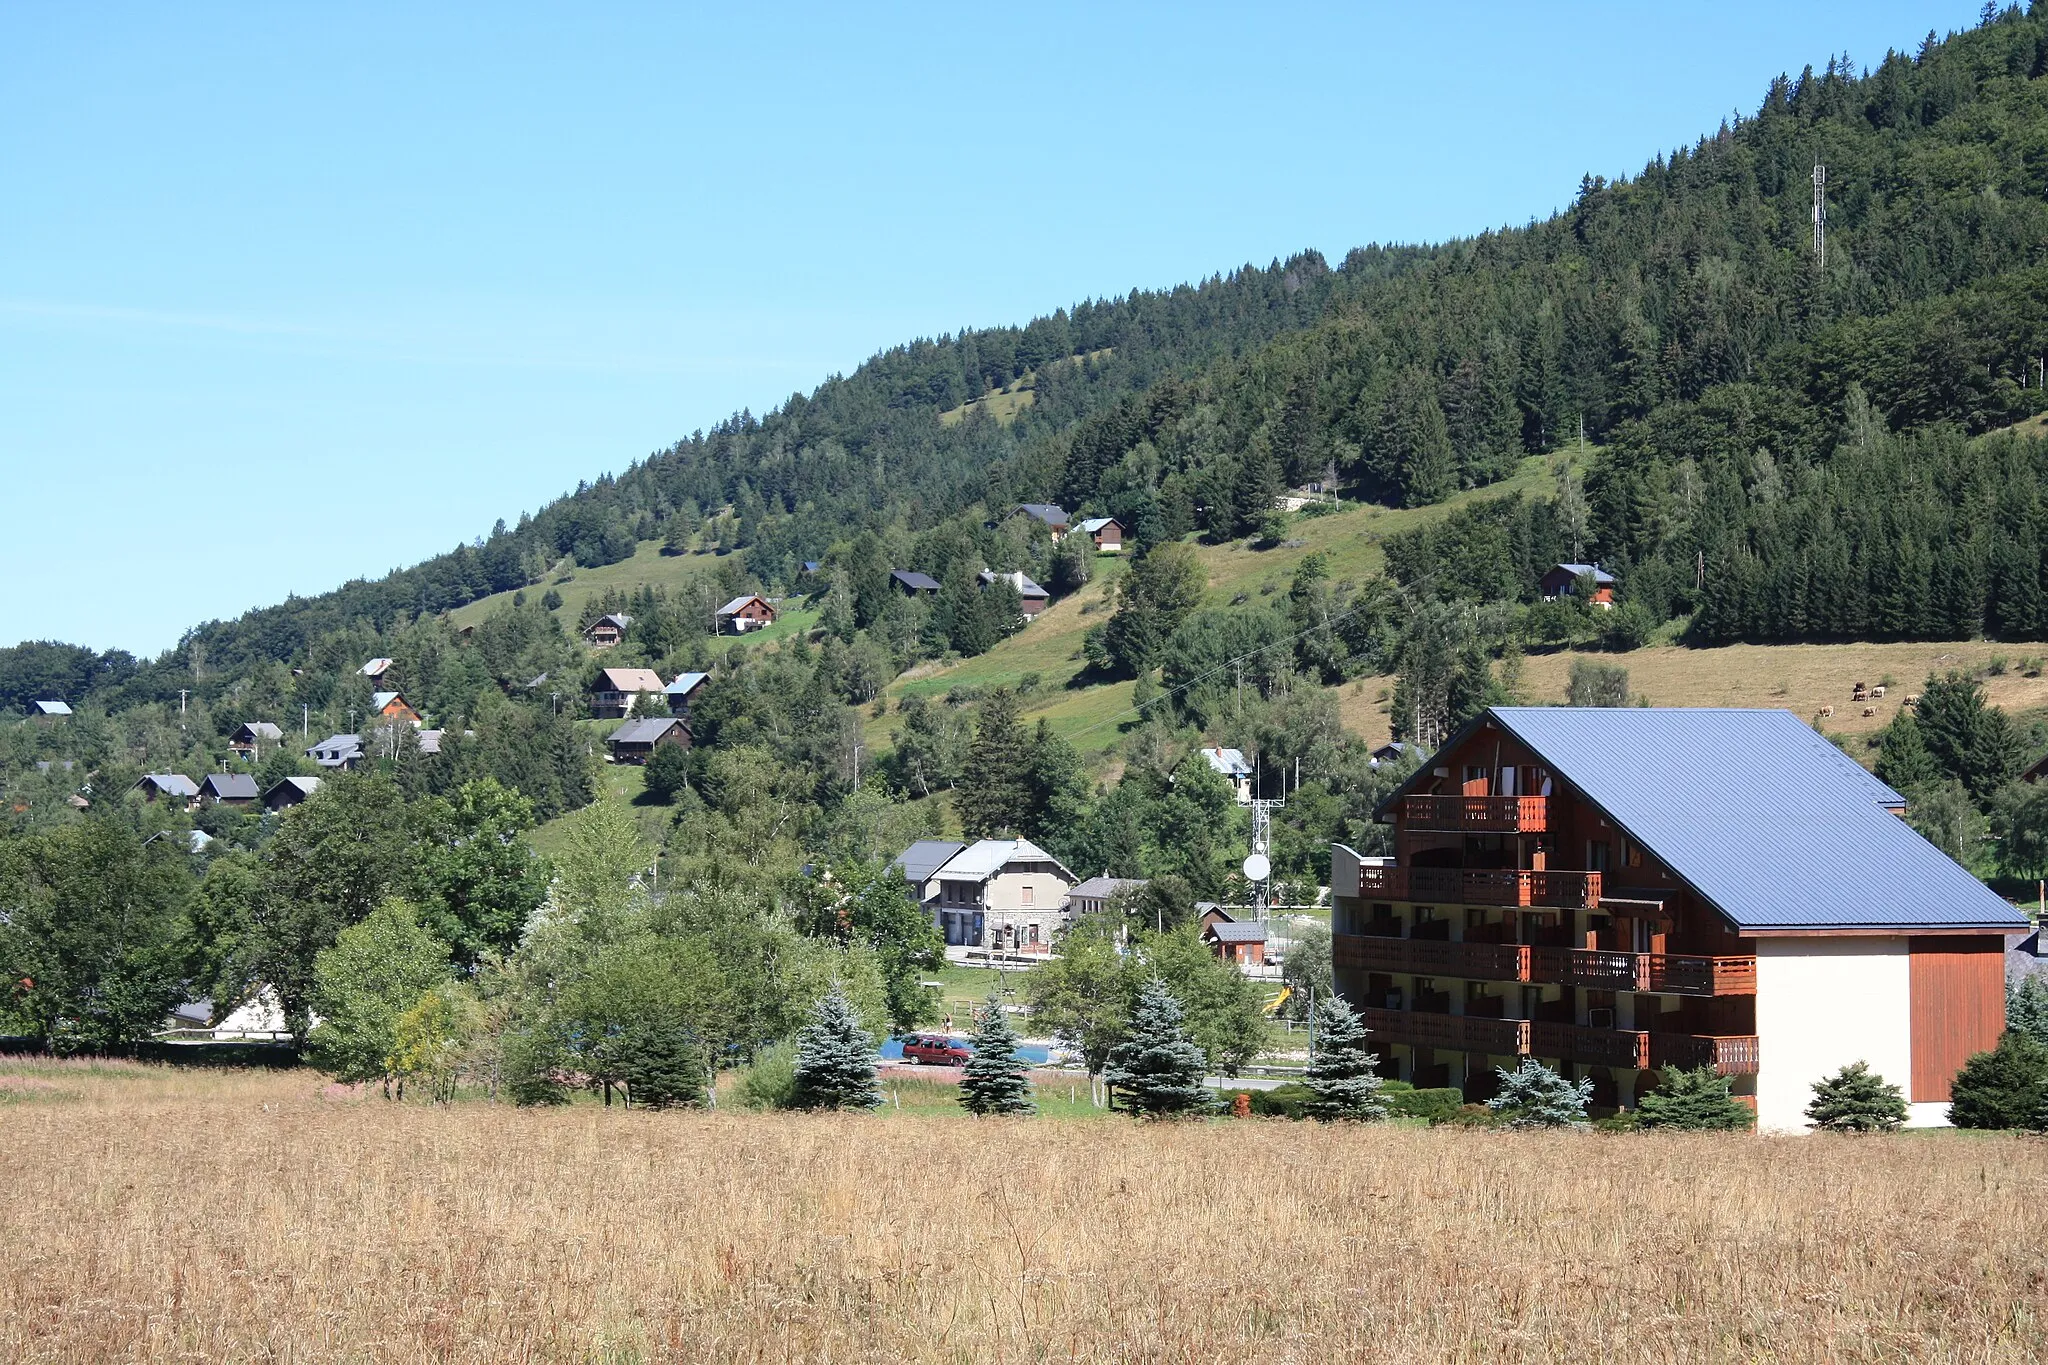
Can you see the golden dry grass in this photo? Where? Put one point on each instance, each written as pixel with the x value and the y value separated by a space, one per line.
pixel 247 1217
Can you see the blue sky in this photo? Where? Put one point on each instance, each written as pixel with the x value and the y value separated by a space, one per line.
pixel 304 294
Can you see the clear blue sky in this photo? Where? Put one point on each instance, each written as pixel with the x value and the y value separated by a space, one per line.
pixel 293 294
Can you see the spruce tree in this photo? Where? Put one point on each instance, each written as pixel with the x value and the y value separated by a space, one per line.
pixel 1534 1096
pixel 996 1080
pixel 1856 1100
pixel 661 1064
pixel 1698 1100
pixel 835 1059
pixel 1343 1074
pixel 993 795
pixel 2004 1088
pixel 1157 1067
pixel 2026 1007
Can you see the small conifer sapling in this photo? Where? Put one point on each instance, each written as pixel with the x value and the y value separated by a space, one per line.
pixel 1343 1074
pixel 835 1059
pixel 1158 1068
pixel 1534 1096
pixel 996 1080
pixel 1856 1100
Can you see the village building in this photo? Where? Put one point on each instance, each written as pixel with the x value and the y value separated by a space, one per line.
pixel 1242 943
pixel 1562 580
pixel 743 614
pixel 1613 891
pixel 49 710
pixel 911 583
pixel 251 736
pixel 1230 764
pixel 1052 515
pixel 607 630
pixel 375 669
pixel 1105 533
pixel 1031 598
pixel 619 689
pixel 228 789
pixel 1093 896
pixel 636 740
pixel 1393 751
pixel 393 706
pixel 343 753
pixel 1006 895
pixel 289 791
pixel 174 786
pixel 683 691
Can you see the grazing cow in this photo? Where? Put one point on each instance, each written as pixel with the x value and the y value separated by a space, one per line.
pixel 1826 711
pixel 1870 710
pixel 1877 691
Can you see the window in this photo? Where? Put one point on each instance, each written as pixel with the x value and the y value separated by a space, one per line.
pixel 1027 893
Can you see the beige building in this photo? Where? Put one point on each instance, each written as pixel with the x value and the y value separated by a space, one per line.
pixel 1005 894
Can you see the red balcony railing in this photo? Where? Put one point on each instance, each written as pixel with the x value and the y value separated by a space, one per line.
pixel 1593 1046
pixel 1672 973
pixel 1481 885
pixel 1459 1032
pixel 1477 814
pixel 1729 1056
pixel 1423 957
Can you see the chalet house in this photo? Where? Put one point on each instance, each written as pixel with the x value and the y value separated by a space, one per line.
pixel 1008 895
pixel 228 789
pixel 2038 769
pixel 911 583
pixel 175 786
pixel 1563 581
pixel 1391 752
pixel 1231 765
pixel 393 706
pixel 1032 598
pixel 250 737
pixel 1094 895
pixel 1106 533
pixel 810 568
pixel 1617 890
pixel 430 740
pixel 375 669
pixel 342 752
pixel 1242 943
pixel 635 741
pixel 1054 516
pixel 49 710
pixel 289 792
pixel 607 630
pixel 743 614
pixel 619 688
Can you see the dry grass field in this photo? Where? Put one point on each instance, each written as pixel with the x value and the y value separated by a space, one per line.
pixel 161 1216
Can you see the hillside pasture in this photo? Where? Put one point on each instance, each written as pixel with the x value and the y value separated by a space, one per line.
pixel 184 1216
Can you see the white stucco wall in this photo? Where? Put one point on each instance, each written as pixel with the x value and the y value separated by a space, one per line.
pixel 1822 1003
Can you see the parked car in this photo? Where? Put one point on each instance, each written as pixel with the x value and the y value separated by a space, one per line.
pixel 936 1049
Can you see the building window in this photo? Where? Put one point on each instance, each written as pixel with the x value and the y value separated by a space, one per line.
pixel 1027 893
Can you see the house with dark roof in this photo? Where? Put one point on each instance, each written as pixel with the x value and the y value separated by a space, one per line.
pixel 1051 514
pixel 911 583
pixel 228 789
pixel 289 791
pixel 636 740
pixel 1031 599
pixel 743 614
pixel 1242 943
pixel 174 786
pixel 1106 534
pixel 1562 580
pixel 1393 751
pixel 1007 895
pixel 607 630
pixel 1614 891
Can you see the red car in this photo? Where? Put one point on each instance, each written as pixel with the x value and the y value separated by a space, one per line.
pixel 935 1049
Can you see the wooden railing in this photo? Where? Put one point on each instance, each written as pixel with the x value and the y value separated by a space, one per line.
pixel 1467 961
pixel 1459 1032
pixel 1594 1046
pixel 1477 814
pixel 1481 885
pixel 1672 973
pixel 1728 1055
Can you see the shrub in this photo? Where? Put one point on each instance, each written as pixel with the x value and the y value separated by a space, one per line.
pixel 1534 1096
pixel 1437 1106
pixel 2004 1088
pixel 1698 1100
pixel 1856 1100
pixel 770 1083
pixel 1288 1101
pixel 534 1060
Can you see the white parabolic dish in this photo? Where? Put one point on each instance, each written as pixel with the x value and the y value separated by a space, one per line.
pixel 1257 868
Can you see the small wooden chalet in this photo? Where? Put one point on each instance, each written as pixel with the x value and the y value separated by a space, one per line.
pixel 636 740
pixel 607 630
pixel 393 706
pixel 1052 515
pixel 169 786
pixel 375 669
pixel 250 738
pixel 289 791
pixel 685 689
pixel 911 583
pixel 1105 533
pixel 49 710
pixel 1031 598
pixel 743 614
pixel 341 752
pixel 228 789
pixel 1242 943
pixel 1230 764
pixel 1617 890
pixel 618 689
pixel 1563 581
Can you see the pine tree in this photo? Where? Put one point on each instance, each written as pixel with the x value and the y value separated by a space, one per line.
pixel 1343 1074
pixel 1157 1067
pixel 1698 1100
pixel 996 1080
pixel 994 791
pixel 1856 1100
pixel 2004 1088
pixel 835 1059
pixel 661 1064
pixel 1534 1096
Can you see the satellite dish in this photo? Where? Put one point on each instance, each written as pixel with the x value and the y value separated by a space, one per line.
pixel 1257 868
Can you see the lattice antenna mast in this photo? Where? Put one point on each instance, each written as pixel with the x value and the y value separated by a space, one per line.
pixel 1820 214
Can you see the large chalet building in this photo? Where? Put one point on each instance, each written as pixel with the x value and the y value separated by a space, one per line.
pixel 1616 890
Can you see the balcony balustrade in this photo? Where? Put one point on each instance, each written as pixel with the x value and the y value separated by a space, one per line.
pixel 1458 1032
pixel 1481 885
pixel 1477 814
pixel 1728 1055
pixel 1592 1046
pixel 1678 974
pixel 1422 957
pixel 1668 973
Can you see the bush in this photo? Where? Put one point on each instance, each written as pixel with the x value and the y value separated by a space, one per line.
pixel 1406 1102
pixel 1856 1100
pixel 2004 1088
pixel 770 1083
pixel 533 1061
pixel 1288 1101
pixel 1698 1100
pixel 668 772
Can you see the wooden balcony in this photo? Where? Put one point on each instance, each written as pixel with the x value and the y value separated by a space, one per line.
pixel 1481 885
pixel 1729 1056
pixel 1477 814
pixel 1670 973
pixel 1422 957
pixel 1458 1032
pixel 1593 1046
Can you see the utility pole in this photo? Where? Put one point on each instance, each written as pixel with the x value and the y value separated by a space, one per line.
pixel 182 692
pixel 352 719
pixel 1820 214
pixel 305 720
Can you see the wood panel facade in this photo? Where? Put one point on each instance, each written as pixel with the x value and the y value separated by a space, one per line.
pixel 1957 988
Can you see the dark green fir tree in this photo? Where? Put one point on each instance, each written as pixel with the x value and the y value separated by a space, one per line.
pixel 996 1080
pixel 1157 1068
pixel 1856 1100
pixel 1344 1075
pixel 835 1059
pixel 1699 1100
pixel 2004 1088
pixel 661 1064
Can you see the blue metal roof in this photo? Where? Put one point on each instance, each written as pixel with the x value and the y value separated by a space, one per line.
pixel 1766 819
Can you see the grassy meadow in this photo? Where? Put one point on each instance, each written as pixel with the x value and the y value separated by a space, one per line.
pixel 160 1215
